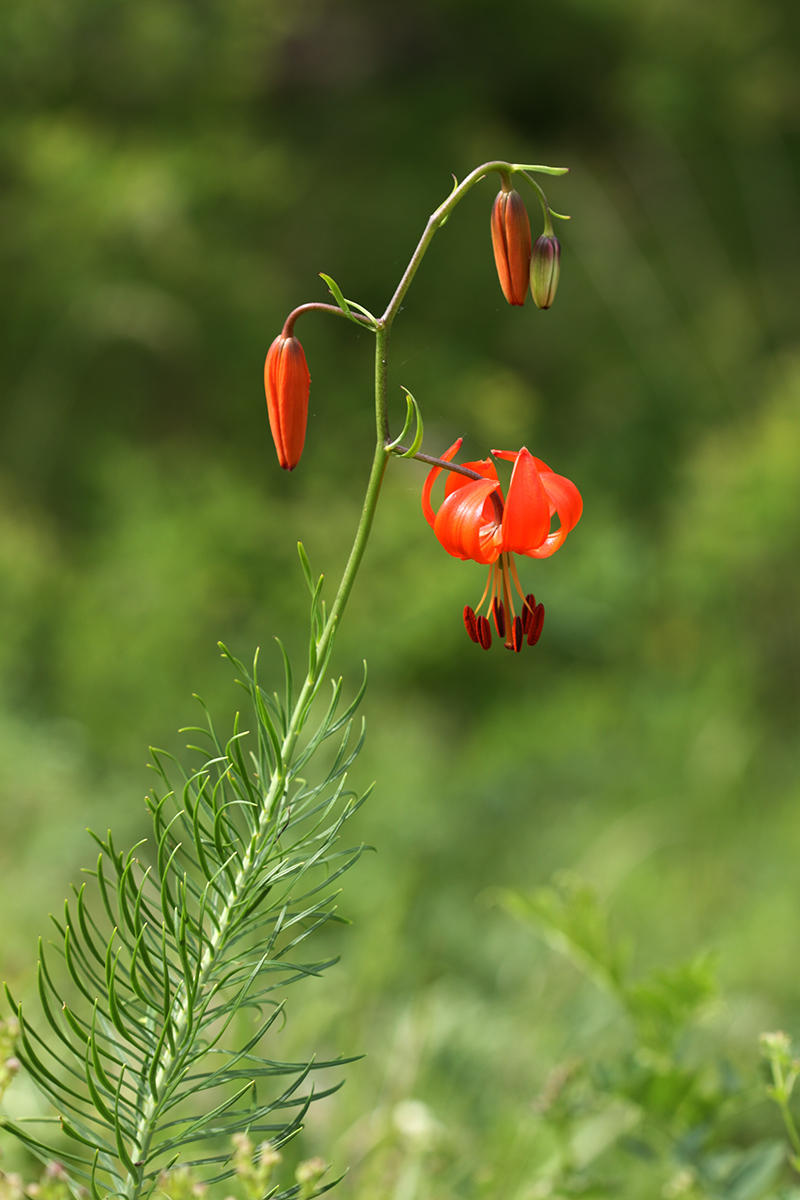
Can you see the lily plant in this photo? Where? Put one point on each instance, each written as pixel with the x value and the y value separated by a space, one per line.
pixel 160 996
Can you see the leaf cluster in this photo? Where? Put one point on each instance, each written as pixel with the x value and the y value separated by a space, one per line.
pixel 169 964
pixel 651 1104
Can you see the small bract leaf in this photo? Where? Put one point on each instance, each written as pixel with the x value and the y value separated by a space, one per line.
pixel 336 292
pixel 413 412
pixel 540 169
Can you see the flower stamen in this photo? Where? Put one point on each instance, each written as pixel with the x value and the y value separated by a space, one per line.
pixel 499 614
pixel 535 630
pixel 515 576
pixel 507 597
pixel 527 612
pixel 484 632
pixel 471 623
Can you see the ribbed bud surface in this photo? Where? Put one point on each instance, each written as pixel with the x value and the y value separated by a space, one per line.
pixel 287 384
pixel 545 270
pixel 511 242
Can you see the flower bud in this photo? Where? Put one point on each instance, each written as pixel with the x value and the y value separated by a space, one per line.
pixel 511 242
pixel 545 269
pixel 287 383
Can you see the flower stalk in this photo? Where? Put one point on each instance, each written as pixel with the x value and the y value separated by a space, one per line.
pixel 381 326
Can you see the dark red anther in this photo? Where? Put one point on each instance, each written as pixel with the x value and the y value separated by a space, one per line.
pixel 535 631
pixel 471 623
pixel 499 614
pixel 484 632
pixel 517 635
pixel 527 612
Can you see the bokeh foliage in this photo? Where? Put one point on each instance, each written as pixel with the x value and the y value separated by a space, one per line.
pixel 173 176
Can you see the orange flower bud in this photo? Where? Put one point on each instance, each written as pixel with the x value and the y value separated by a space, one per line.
pixel 287 383
pixel 545 270
pixel 511 241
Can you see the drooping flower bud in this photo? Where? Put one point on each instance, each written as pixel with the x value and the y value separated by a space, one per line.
pixel 287 383
pixel 511 242
pixel 545 270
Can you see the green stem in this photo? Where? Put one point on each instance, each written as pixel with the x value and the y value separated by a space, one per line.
pixel 548 220
pixel 435 221
pixel 171 1062
pixel 320 306
pixel 379 461
pixel 782 1091
pixel 456 468
pixel 788 1121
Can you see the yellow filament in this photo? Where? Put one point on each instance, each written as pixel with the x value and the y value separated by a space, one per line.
pixel 489 579
pixel 510 614
pixel 517 583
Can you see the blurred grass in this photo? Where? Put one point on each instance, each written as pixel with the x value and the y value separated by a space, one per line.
pixel 171 181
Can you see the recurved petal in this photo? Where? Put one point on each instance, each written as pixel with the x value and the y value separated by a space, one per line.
pixel 526 519
pixel 565 496
pixel 464 524
pixel 433 475
pixel 553 541
pixel 569 507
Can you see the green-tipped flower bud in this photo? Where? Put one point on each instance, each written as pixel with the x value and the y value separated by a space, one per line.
pixel 545 270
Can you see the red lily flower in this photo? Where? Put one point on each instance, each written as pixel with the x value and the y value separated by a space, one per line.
pixel 475 521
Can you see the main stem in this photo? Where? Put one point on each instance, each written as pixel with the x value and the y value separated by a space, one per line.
pixel 172 1061
pixel 377 472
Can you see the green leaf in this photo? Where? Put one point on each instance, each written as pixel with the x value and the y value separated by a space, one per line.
pixel 306 565
pixel 413 413
pixel 336 292
pixel 540 170
pixel 347 305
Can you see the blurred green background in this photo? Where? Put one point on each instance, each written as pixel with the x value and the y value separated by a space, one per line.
pixel 173 176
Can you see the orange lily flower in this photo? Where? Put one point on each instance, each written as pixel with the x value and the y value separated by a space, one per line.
pixel 475 521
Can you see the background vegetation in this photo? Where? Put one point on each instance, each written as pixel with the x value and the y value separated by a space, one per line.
pixel 173 176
